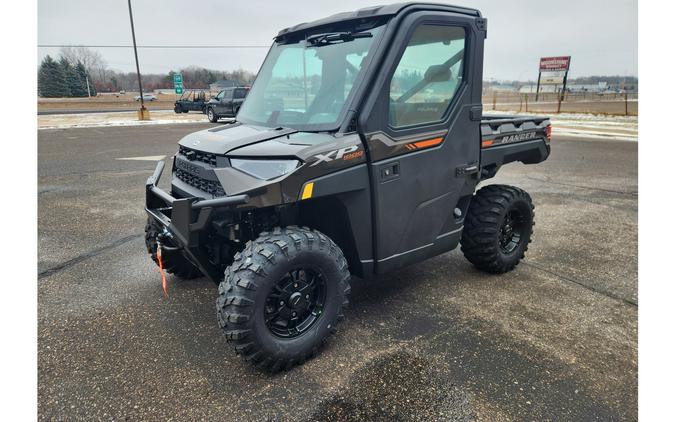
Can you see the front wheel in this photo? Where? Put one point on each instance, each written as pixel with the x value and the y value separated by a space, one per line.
pixel 283 296
pixel 498 228
pixel 178 109
pixel 213 118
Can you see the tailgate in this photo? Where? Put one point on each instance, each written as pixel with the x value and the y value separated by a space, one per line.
pixel 506 139
pixel 501 130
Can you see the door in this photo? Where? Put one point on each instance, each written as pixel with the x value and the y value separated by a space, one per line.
pixel 216 104
pixel 225 104
pixel 423 136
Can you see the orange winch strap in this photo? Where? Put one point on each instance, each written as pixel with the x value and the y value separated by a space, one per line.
pixel 161 270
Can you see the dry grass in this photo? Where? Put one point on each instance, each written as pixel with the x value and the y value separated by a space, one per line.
pixel 104 101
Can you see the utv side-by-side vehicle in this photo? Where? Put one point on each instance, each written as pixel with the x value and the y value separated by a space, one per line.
pixel 356 152
pixel 191 100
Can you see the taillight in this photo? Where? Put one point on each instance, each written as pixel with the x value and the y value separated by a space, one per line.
pixel 549 129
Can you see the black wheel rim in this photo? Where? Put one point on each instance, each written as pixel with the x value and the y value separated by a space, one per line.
pixel 295 303
pixel 511 231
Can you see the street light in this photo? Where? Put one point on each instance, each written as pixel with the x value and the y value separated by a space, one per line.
pixel 143 113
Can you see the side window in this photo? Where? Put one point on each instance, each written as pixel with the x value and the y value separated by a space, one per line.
pixel 227 94
pixel 427 76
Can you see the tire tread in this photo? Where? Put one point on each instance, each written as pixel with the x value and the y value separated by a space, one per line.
pixel 234 306
pixel 479 242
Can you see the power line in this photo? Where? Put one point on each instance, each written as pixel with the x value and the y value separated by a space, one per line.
pixel 150 46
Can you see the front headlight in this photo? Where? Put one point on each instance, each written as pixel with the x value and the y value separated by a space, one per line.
pixel 264 169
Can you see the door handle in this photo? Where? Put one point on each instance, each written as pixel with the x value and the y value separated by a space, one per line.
pixel 389 172
pixel 476 113
pixel 467 169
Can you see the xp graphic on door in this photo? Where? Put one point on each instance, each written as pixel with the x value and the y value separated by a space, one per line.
pixel 356 151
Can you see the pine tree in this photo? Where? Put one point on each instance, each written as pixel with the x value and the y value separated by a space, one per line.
pixel 76 86
pixel 52 79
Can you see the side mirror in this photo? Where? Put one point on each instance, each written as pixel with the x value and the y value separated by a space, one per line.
pixel 437 73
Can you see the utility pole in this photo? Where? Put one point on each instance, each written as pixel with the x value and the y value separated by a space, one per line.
pixel 86 78
pixel 143 113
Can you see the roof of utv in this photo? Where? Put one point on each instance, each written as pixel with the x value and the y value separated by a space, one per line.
pixel 376 11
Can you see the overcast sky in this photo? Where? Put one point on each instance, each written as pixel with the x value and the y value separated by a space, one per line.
pixel 600 35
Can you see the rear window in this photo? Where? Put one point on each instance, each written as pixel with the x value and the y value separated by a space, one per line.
pixel 240 93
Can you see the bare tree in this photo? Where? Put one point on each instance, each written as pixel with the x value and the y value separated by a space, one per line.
pixel 92 60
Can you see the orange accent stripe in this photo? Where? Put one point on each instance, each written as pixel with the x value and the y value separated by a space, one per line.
pixel 486 143
pixel 428 143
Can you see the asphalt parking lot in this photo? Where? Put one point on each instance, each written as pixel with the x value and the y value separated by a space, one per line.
pixel 556 339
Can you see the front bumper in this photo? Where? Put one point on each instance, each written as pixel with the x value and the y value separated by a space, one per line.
pixel 184 218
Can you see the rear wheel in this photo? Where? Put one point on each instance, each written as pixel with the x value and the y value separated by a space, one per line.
pixel 213 118
pixel 172 261
pixel 498 228
pixel 282 297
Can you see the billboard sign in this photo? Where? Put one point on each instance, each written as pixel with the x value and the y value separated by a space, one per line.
pixel 553 71
pixel 554 64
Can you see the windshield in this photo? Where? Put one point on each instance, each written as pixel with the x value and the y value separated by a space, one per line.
pixel 305 85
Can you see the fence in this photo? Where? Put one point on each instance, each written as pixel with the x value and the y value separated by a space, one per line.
pixel 624 104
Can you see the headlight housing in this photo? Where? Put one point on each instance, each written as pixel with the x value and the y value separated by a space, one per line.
pixel 264 169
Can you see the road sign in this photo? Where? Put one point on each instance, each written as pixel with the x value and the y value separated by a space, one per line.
pixel 178 83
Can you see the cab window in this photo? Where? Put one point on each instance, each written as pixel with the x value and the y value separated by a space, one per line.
pixel 427 76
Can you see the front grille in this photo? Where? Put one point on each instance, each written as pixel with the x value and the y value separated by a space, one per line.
pixel 192 154
pixel 210 186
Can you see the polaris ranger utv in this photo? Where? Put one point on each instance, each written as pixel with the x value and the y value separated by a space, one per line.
pixel 356 152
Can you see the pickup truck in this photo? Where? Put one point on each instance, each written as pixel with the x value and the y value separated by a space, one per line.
pixel 226 103
pixel 357 152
